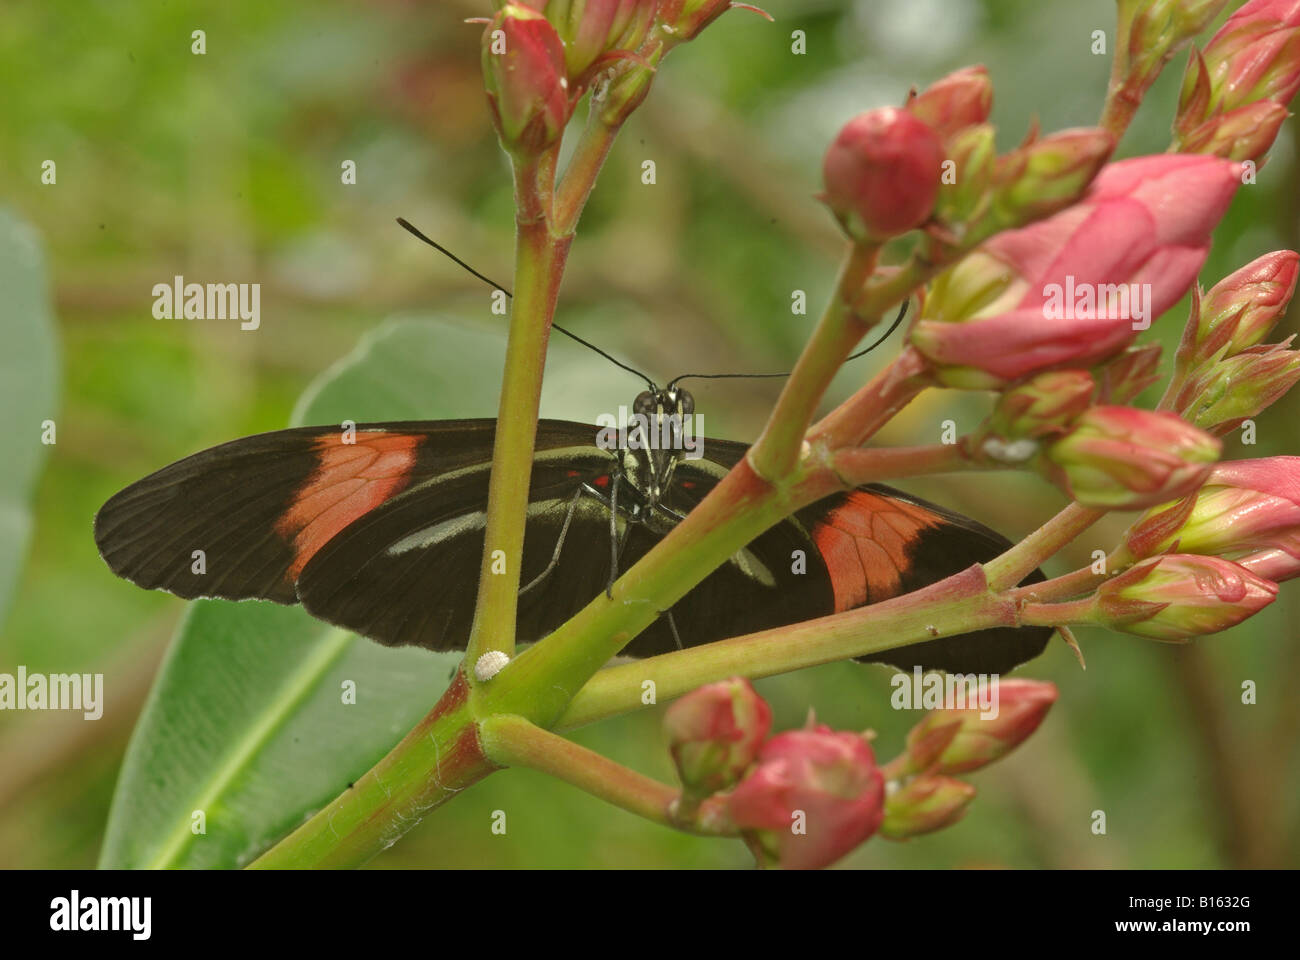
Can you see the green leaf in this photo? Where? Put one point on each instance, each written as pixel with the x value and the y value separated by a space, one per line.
pixel 29 384
pixel 247 725
pixel 246 722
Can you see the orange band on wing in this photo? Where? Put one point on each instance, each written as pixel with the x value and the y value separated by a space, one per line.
pixel 350 480
pixel 864 544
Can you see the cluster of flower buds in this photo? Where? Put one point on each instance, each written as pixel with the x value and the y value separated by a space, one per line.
pixel 1235 91
pixel 894 170
pixel 805 798
pixel 1207 561
pixel 1223 373
pixel 593 31
pixel 541 56
pixel 924 795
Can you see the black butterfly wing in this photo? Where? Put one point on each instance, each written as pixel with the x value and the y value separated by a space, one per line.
pixel 242 519
pixel 383 533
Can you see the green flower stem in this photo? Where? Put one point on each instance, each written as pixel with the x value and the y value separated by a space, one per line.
pixel 539 266
pixel 959 604
pixel 1025 557
pixel 435 761
pixel 1122 98
pixel 855 421
pixel 861 465
pixel 842 325
pixel 580 176
pixel 1057 614
pixel 511 741
pixel 1064 587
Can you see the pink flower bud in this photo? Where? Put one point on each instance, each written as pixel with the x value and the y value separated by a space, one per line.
pixel 714 734
pixel 960 100
pixel 589 29
pixel 1219 397
pixel 882 174
pixel 925 804
pixel 814 796
pixel 1179 596
pixel 524 73
pixel 1047 175
pixel 1241 309
pixel 1254 56
pixel 974 157
pixel 978 740
pixel 1043 406
pixel 1248 511
pixel 1246 133
pixel 1125 458
pixel 1087 280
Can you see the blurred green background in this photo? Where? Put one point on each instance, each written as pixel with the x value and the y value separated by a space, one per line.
pixel 226 166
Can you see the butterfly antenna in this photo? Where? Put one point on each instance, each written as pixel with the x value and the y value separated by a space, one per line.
pixel 414 231
pixel 902 312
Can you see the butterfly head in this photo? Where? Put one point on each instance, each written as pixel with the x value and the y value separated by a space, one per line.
pixel 657 402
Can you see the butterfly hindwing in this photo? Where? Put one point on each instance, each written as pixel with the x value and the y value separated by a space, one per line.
pixel 858 547
pixel 877 542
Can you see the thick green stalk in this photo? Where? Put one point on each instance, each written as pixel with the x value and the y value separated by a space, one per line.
pixel 434 762
pixel 861 465
pixel 539 265
pixel 959 604
pixel 1025 557
pixel 512 741
pixel 580 177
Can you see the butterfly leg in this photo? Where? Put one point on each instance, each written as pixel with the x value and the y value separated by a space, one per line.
pixel 672 625
pixel 679 517
pixel 559 543
pixel 614 547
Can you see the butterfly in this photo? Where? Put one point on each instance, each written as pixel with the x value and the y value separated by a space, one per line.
pixel 381 531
